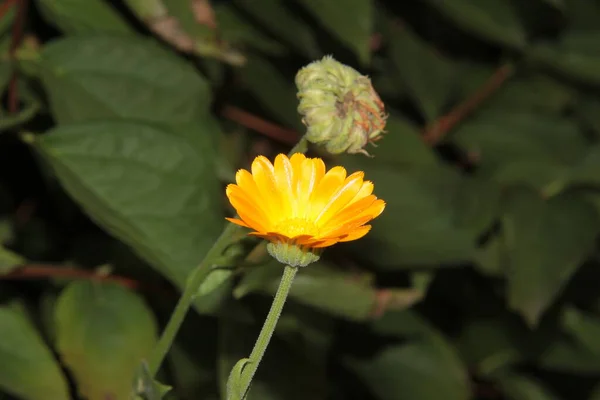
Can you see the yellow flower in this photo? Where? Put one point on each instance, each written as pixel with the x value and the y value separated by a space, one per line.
pixel 300 208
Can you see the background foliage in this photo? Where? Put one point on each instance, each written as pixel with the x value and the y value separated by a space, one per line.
pixel 122 121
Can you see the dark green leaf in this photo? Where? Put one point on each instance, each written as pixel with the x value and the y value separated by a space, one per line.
pixel 9 260
pixel 576 56
pixel 566 356
pixel 488 346
pixel 519 387
pixel 84 16
pixel 283 23
pixel 582 14
pixel 584 327
pixel 153 187
pixel 103 332
pixel 318 285
pixel 238 31
pixel 402 146
pixel 421 222
pixel 493 20
pixel 350 20
pixel 103 76
pixel 498 138
pixel 28 368
pixel 546 241
pixel 280 98
pixel 428 77
pixel 418 369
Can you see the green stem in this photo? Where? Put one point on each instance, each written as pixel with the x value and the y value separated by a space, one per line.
pixel 187 298
pixel 267 331
pixel 193 284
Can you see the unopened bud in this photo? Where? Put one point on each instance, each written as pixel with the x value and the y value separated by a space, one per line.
pixel 339 106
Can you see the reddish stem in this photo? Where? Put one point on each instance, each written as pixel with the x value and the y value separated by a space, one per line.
pixel 17 34
pixel 262 126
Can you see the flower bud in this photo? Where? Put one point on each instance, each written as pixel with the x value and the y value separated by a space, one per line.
pixel 339 107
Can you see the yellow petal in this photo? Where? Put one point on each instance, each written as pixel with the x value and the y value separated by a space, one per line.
pixel 309 175
pixel 320 197
pixel 349 212
pixel 284 178
pixel 264 177
pixel 357 233
pixel 341 197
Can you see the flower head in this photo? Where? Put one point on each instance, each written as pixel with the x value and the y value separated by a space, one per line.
pixel 300 208
pixel 340 108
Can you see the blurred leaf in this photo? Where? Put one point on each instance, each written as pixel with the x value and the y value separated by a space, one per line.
pixel 595 393
pixel 103 76
pixel 493 20
pixel 280 370
pixel 519 387
pixel 537 93
pixel 428 77
pixel 103 332
pixel 283 23
pixel 587 170
pixel 153 187
pixel 421 223
pixel 146 386
pixel 83 16
pixel 582 14
pixel 559 4
pixel 491 258
pixel 28 368
pixel 487 346
pixel 569 357
pixel 418 369
pixel 350 20
pixel 575 56
pixel 403 145
pixel 499 138
pixel 236 30
pixel 216 278
pixel 272 90
pixel 584 327
pixel 547 241
pixel 587 110
pixel 9 260
pixel 326 289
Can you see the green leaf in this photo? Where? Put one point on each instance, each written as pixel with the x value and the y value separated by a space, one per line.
pixel 103 331
pixel 284 362
pixel 582 14
pixel 595 393
pixel 350 20
pixel 519 387
pixel 28 369
pixel 9 260
pixel 575 56
pixel 272 90
pixel 428 77
pixel 417 369
pixel 499 138
pixel 324 288
pixel 421 223
pixel 277 18
pixel 151 186
pixel 402 146
pixel 546 243
pixel 215 278
pixel 584 327
pixel 83 16
pixel 537 93
pixel 146 386
pixel 236 30
pixel 569 357
pixel 488 346
pixel 493 20
pixel 104 76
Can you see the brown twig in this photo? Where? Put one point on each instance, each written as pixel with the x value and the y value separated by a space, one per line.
pixel 40 271
pixel 262 126
pixel 17 34
pixel 436 131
